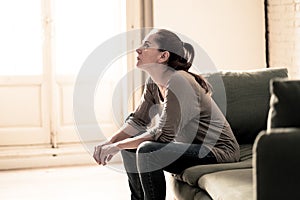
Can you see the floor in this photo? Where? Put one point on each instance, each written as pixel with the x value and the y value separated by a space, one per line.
pixel 80 182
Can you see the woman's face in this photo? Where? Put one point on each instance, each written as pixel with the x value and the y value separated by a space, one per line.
pixel 148 53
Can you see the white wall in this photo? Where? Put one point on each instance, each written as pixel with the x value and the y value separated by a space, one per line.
pixel 230 31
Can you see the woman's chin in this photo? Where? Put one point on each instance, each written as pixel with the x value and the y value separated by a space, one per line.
pixel 141 67
pixel 138 65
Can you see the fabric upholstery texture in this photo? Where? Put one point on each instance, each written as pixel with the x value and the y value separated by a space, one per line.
pixel 276 151
pixel 228 185
pixel 192 174
pixel 277 158
pixel 284 104
pixel 183 191
pixel 243 96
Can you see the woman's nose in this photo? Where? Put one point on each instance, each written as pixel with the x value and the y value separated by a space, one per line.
pixel 138 50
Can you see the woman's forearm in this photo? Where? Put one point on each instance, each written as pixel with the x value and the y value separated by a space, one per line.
pixel 125 132
pixel 119 136
pixel 133 143
pixel 123 138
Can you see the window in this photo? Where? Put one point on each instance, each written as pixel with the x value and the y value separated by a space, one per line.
pixel 43 43
pixel 21 37
pixel 80 26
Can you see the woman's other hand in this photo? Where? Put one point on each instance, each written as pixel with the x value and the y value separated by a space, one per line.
pixel 97 151
pixel 104 153
pixel 107 152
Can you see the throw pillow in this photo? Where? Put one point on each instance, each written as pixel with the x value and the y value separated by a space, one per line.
pixel 284 103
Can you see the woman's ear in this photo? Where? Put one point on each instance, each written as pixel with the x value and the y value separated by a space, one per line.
pixel 164 57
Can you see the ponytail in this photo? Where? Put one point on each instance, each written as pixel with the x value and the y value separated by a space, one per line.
pixel 186 63
pixel 181 55
pixel 202 82
pixel 189 52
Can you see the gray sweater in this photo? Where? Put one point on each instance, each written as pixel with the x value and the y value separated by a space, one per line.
pixel 187 114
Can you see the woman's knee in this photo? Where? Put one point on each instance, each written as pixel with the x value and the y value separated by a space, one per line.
pixel 149 147
pixel 128 154
pixel 149 157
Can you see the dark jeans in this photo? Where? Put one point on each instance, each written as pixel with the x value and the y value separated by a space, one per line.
pixel 145 166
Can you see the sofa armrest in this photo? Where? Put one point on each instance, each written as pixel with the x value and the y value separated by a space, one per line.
pixel 276 157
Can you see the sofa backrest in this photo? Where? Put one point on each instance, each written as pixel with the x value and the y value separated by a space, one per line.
pixel 243 96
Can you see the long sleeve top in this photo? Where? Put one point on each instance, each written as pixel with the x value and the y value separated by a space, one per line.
pixel 187 114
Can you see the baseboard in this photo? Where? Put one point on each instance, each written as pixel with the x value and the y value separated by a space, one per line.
pixel 40 156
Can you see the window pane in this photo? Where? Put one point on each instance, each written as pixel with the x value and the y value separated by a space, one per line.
pixel 81 26
pixel 20 37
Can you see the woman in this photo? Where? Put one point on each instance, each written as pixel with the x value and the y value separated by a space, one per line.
pixel 190 129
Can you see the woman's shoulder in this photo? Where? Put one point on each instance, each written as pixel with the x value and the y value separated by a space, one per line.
pixel 182 83
pixel 186 81
pixel 182 77
pixel 183 74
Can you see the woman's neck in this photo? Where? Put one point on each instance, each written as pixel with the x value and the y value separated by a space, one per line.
pixel 160 74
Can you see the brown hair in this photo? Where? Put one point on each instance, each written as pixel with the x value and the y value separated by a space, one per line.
pixel 181 55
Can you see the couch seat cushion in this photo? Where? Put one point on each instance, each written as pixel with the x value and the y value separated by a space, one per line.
pixel 191 175
pixel 181 190
pixel 228 185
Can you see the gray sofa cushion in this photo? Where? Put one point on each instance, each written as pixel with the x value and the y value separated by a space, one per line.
pixel 284 104
pixel 183 191
pixel 228 185
pixel 192 174
pixel 244 97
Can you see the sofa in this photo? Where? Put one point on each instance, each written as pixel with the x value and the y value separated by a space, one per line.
pixel 262 107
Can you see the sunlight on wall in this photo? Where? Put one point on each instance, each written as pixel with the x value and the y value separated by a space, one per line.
pixel 231 32
pixel 20 37
pixel 81 26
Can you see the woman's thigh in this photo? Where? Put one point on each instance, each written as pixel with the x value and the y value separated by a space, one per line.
pixel 173 157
